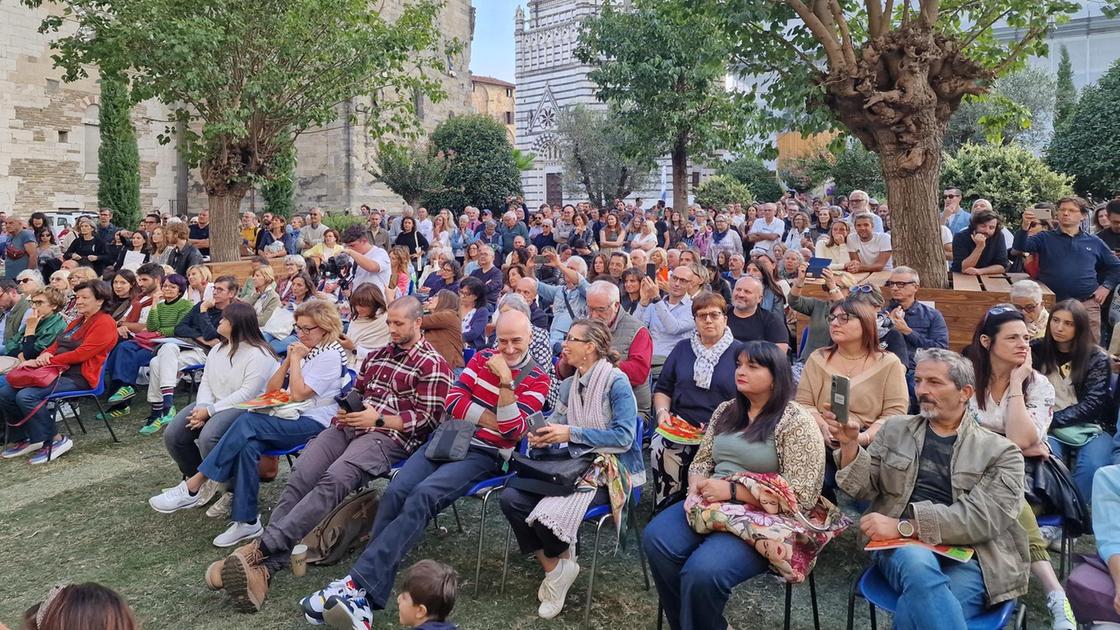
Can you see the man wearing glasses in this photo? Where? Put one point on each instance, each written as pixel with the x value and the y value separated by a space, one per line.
pixel 668 319
pixel 921 325
pixel 953 216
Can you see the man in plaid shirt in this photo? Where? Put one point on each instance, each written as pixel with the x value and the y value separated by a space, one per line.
pixel 494 395
pixel 403 386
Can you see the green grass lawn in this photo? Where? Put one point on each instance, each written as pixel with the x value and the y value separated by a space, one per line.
pixel 85 517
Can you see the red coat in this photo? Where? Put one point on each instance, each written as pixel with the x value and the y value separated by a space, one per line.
pixel 98 336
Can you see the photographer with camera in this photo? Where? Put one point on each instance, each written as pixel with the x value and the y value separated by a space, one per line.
pixel 371 262
pixel 394 405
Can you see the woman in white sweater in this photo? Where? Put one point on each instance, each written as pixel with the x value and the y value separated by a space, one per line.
pixel 236 371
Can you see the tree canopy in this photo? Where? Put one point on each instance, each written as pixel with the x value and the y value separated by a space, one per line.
pixel 245 77
pixel 600 162
pixel 415 173
pixel 720 190
pixel 662 66
pixel 482 171
pixel 756 176
pixel 1087 146
pixel 1011 177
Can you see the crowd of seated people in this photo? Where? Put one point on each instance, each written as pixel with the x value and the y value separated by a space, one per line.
pixel 609 321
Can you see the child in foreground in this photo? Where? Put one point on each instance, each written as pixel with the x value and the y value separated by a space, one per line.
pixel 427 596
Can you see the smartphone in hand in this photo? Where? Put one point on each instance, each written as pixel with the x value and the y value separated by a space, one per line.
pixel 536 421
pixel 839 397
pixel 651 271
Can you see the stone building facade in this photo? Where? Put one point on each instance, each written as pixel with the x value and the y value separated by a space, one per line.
pixel 49 132
pixel 495 98
pixel 549 78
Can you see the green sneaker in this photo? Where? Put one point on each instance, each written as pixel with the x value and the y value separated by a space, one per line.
pixel 154 425
pixel 122 394
pixel 120 412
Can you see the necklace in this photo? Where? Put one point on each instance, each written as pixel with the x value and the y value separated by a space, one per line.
pixel 862 357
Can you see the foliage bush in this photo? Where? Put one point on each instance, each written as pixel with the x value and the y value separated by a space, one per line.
pixel 1010 176
pixel 852 167
pixel 415 173
pixel 719 190
pixel 279 189
pixel 752 173
pixel 339 222
pixel 1087 145
pixel 483 171
pixel 118 157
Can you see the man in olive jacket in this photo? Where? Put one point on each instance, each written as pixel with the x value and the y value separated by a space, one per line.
pixel 940 478
pixel 13 307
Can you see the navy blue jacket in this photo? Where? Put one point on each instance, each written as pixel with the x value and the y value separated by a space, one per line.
pixel 927 328
pixel 1072 266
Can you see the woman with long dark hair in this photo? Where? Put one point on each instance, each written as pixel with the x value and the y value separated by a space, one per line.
pixel 1084 417
pixel 309 379
pixel 473 312
pixel 141 245
pixel 50 253
pixel 236 371
pixel 1015 401
pixel 126 289
pixel 760 431
pixel 411 239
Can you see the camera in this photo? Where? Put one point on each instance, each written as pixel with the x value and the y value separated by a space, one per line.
pixel 339 267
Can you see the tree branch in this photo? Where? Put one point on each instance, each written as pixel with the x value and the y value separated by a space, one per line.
pixel 1013 54
pixel 980 30
pixel 927 12
pixel 820 32
pixel 874 18
pixel 848 47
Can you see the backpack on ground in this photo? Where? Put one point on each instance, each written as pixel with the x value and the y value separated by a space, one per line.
pixel 1091 592
pixel 345 528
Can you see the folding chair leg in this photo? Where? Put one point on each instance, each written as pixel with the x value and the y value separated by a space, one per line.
pixel 813 597
pixel 55 410
pixel 76 417
pixel 481 533
pixel 874 624
pixel 591 579
pixel 505 562
pixel 789 604
pixel 106 416
pixel 852 591
pixel 458 521
pixel 641 552
pixel 660 614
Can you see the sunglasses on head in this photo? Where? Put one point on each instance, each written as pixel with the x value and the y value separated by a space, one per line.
pixel 862 288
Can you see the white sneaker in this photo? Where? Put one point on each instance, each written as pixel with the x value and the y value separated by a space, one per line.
pixel 1060 611
pixel 173 500
pixel 238 533
pixel 556 586
pixel 220 509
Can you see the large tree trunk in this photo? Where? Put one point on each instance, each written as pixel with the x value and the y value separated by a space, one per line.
pixel 914 217
pixel 679 156
pixel 225 224
pixel 896 96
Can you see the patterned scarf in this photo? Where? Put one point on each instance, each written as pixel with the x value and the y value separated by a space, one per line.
pixel 706 358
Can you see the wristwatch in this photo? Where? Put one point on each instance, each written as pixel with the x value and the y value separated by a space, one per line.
pixel 734 500
pixel 906 529
pixel 508 386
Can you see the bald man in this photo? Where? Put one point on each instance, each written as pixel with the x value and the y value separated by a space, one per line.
pixel 748 322
pixel 527 288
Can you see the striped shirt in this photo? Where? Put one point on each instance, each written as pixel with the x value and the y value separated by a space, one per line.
pixel 409 383
pixel 476 392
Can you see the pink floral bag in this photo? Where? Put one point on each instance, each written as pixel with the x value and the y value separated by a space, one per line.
pixel 788 539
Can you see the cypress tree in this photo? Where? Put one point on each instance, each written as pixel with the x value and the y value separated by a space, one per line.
pixel 118 158
pixel 279 189
pixel 1065 94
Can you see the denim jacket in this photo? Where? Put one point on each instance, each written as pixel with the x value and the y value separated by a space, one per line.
pixel 460 239
pixel 987 483
pixel 621 437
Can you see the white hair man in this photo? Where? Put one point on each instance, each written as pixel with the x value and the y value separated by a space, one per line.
pixel 921 326
pixel 859 201
pixel 568 299
pixel 629 337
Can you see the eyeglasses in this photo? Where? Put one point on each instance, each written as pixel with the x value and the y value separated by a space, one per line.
pixel 22 280
pixel 599 309
pixel 38 302
pixel 898 284
pixel 1027 308
pixel 951 196
pixel 570 339
pixel 839 318
pixel 307 330
pixel 710 316
pixel 862 288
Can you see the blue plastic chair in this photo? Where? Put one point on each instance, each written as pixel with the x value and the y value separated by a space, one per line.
pixel 95 394
pixel 600 515
pixel 873 587
pixel 468 354
pixel 190 371
pixel 1065 556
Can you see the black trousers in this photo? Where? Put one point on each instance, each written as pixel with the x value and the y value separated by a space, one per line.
pixel 518 504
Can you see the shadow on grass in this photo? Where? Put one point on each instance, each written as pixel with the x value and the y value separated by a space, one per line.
pixel 85 517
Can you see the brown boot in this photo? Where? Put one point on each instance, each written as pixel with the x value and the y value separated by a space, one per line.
pixel 251 551
pixel 214 575
pixel 245 581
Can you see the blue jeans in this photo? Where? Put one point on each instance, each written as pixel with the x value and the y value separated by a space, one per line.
pixel 936 592
pixel 1092 455
pixel 279 345
pixel 15 404
pixel 420 490
pixel 237 455
pixel 695 573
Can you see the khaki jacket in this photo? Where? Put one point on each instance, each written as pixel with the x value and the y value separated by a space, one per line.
pixel 987 483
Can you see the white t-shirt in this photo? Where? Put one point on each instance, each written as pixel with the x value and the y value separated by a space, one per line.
pixel 946 235
pixel 869 251
pixel 381 278
pixel 322 372
pixel 760 226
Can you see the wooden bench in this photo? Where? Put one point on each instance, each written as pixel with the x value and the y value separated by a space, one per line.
pixel 962 306
pixel 240 268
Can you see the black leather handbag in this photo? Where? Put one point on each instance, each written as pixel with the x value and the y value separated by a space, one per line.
pixel 553 475
pixel 1048 484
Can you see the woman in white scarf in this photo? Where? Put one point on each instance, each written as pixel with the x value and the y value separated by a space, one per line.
pixel 597 414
